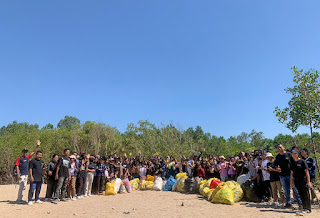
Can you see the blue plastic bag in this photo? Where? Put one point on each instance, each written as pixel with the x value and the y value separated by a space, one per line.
pixel 169 184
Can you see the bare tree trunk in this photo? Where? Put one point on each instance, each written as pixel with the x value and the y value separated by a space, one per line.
pixel 314 149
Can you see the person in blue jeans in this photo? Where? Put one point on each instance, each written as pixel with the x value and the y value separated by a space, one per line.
pixel 282 164
pixel 36 168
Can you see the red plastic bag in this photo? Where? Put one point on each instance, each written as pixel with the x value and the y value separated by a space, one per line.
pixel 214 184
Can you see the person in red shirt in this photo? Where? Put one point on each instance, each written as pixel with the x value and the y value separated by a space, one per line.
pixel 22 168
pixel 200 171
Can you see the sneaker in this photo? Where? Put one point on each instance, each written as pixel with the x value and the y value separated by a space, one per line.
pixel 30 203
pixel 64 199
pixel 55 201
pixel 79 197
pixel 89 195
pixel 39 201
pixel 73 199
pixel 85 195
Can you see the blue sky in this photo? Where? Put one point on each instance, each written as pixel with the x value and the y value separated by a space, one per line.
pixel 222 65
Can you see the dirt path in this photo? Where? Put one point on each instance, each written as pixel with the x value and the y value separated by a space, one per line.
pixel 139 204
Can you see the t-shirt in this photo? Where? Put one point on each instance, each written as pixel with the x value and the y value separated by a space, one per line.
pixel 22 163
pixel 283 161
pixel 266 176
pixel 223 171
pixel 64 164
pixel 51 166
pixel 312 167
pixel 298 168
pixel 274 176
pixel 37 169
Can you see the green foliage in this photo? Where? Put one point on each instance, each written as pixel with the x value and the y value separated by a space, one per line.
pixel 99 138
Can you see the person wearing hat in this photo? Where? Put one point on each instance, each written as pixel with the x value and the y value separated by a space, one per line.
pixel 72 182
pixel 275 184
pixel 300 178
pixel 22 168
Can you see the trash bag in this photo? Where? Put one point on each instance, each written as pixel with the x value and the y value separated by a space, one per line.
pixel 210 194
pixel 191 185
pixel 110 189
pixel 207 184
pixel 242 179
pixel 237 190
pixel 179 175
pixel 122 189
pixel 117 184
pixel 202 186
pixel 146 185
pixel 134 184
pixel 223 194
pixel 175 185
pixel 157 184
pixel 181 183
pixel 169 184
pixel 150 178
pixel 164 184
pixel 127 185
pixel 249 188
pixel 206 191
pixel 214 184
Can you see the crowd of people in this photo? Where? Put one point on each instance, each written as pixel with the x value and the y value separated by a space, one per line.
pixel 73 177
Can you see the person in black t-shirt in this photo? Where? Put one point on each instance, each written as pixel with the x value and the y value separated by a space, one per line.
pixel 51 172
pixel 36 168
pixel 63 176
pixel 282 165
pixel 301 178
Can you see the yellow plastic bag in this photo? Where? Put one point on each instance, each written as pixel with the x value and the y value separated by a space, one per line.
pixel 206 191
pixel 223 194
pixel 146 185
pixel 150 178
pixel 237 190
pixel 207 184
pixel 181 175
pixel 134 184
pixel 202 186
pixel 180 186
pixel 210 194
pixel 110 189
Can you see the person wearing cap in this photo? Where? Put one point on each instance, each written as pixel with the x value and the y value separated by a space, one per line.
pixel 72 182
pixel 22 168
pixel 265 177
pixel 223 169
pixel 300 178
pixel 282 165
pixel 274 181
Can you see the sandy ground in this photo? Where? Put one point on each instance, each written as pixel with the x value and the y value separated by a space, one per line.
pixel 139 204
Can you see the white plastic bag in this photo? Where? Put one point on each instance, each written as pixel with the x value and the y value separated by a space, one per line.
pixel 157 184
pixel 242 179
pixel 117 184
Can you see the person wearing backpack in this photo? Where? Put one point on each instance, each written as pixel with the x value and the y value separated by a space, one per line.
pixel 22 170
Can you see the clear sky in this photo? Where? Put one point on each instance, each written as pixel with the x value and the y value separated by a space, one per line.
pixel 222 64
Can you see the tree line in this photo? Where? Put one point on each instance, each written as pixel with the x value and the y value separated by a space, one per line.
pixel 144 137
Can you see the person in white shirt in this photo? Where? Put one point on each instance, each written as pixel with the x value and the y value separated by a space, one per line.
pixel 266 178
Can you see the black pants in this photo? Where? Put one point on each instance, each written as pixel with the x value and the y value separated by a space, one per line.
pixel 51 188
pixel 266 189
pixel 100 182
pixel 301 186
pixel 80 189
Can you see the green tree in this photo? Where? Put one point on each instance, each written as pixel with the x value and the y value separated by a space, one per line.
pixel 303 107
pixel 69 122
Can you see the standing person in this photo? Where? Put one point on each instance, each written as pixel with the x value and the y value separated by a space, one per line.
pixel 301 178
pixel 282 164
pixel 72 182
pixel 51 172
pixel 100 176
pixel 223 169
pixel 312 169
pixel 63 176
pixel 36 168
pixel 91 171
pixel 231 169
pixel 274 181
pixel 22 168
pixel 82 174
pixel 266 177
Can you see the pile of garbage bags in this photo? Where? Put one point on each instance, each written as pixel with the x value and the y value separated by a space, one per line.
pixel 212 189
